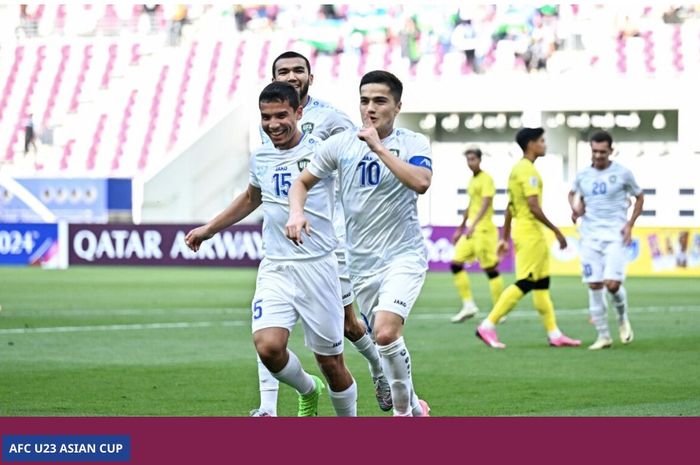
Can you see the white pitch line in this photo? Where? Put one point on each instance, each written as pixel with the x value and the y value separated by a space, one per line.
pixel 418 316
pixel 129 327
pixel 532 313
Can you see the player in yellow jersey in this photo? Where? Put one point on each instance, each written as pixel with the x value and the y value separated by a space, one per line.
pixel 531 252
pixel 479 240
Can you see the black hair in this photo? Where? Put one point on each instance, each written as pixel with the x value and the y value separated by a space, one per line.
pixel 386 78
pixel 475 150
pixel 602 136
pixel 290 54
pixel 527 135
pixel 278 91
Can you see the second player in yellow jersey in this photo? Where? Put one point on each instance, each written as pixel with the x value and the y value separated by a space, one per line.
pixel 479 240
pixel 531 252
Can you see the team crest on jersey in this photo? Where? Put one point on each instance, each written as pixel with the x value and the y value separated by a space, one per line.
pixel 394 151
pixel 301 164
pixel 613 179
pixel 307 128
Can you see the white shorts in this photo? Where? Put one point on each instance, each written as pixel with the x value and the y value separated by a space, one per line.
pixel 287 290
pixel 394 289
pixel 345 284
pixel 602 260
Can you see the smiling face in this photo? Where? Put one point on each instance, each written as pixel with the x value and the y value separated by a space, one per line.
pixel 600 154
pixel 295 72
pixel 279 122
pixel 378 107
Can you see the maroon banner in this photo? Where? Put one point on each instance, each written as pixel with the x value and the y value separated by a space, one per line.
pixel 212 441
pixel 161 245
pixel 238 246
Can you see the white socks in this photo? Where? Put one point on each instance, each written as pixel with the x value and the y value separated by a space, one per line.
pixel 620 301
pixel 598 309
pixel 345 402
pixel 366 347
pixel 396 362
pixel 295 376
pixel 269 388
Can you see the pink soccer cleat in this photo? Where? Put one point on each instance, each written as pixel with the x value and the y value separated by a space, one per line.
pixel 424 407
pixel 489 337
pixel 564 341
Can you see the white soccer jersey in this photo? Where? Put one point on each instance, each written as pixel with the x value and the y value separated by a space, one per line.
pixel 322 120
pixel 606 195
pixel 274 171
pixel 380 212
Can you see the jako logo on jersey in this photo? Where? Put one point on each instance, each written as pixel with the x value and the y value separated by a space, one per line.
pixel 394 151
pixel 307 128
pixel 281 168
pixel 301 164
pixel 400 302
pixel 337 344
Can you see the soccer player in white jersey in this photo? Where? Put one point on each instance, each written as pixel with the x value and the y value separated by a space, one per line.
pixel 381 171
pixel 600 196
pixel 322 120
pixel 293 282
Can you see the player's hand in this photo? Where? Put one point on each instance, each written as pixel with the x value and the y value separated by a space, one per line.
pixel 457 234
pixel 627 234
pixel 561 239
pixel 368 134
pixel 295 225
pixel 503 248
pixel 195 237
pixel 578 210
pixel 469 231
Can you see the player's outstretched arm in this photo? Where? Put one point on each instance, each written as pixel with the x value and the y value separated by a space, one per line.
pixel 416 178
pixel 242 206
pixel 627 229
pixel 297 199
pixel 537 212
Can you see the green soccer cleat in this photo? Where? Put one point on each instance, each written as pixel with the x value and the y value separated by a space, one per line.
pixel 308 404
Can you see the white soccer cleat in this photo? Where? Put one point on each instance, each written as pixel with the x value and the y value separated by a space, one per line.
pixel 468 311
pixel 626 333
pixel 601 343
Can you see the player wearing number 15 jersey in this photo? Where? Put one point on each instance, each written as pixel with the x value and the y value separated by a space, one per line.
pixel 293 282
pixel 605 189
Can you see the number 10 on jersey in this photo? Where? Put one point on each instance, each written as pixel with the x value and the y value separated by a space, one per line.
pixel 369 173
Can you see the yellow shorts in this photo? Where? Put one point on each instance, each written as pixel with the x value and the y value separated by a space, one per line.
pixel 531 257
pixel 481 246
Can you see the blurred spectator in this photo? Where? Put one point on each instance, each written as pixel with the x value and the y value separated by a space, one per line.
pixel 241 17
pixel 178 18
pixel 410 42
pixel 464 39
pixel 29 135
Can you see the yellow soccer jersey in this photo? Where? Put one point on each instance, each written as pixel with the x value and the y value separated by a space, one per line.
pixel 481 186
pixel 524 182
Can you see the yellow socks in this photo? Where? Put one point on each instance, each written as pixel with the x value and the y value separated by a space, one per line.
pixel 496 288
pixel 506 302
pixel 543 303
pixel 463 287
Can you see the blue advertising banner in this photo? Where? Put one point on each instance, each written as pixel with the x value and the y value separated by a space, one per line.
pixel 29 244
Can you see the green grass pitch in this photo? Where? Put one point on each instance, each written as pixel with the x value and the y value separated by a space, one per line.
pixel 175 341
